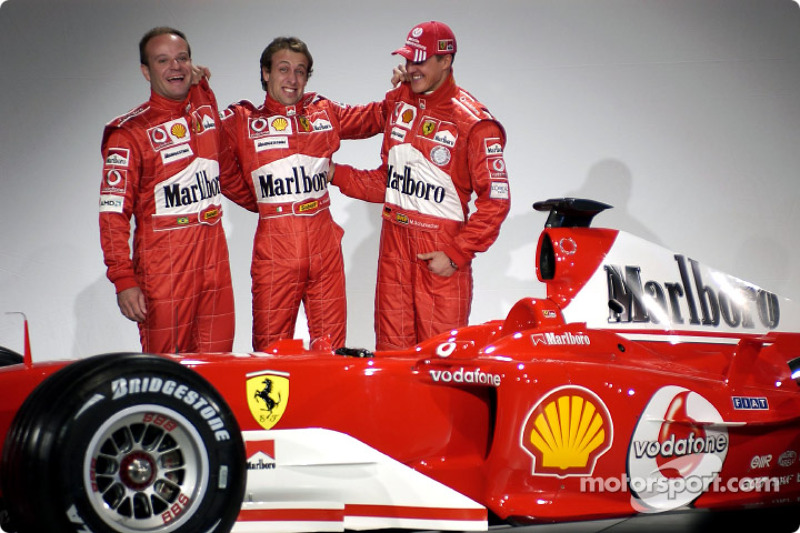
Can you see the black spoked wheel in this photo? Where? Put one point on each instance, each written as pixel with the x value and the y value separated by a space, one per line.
pixel 124 443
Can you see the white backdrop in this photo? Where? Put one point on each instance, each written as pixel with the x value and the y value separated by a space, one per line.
pixel 683 114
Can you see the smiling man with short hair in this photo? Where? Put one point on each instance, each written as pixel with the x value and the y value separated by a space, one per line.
pixel 440 146
pixel 162 170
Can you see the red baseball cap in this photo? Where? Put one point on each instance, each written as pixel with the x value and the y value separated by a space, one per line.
pixel 428 39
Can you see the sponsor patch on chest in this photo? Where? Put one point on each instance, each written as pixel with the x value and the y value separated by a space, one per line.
pixel 316 122
pixel 169 134
pixel 439 131
pixel 258 127
pixel 404 115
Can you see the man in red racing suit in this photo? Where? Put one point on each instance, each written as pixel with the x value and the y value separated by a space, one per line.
pixel 283 148
pixel 440 145
pixel 161 166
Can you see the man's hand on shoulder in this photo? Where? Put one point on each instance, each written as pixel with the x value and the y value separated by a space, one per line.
pixel 199 72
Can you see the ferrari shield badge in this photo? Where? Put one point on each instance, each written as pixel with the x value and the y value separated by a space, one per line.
pixel 267 396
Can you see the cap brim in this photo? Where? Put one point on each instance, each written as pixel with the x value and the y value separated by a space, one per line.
pixel 405 51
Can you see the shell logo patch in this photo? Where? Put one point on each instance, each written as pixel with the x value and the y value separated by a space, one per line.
pixel 566 432
pixel 178 130
pixel 267 396
pixel 280 124
pixel 404 115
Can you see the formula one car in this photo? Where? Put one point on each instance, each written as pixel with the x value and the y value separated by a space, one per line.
pixel 645 382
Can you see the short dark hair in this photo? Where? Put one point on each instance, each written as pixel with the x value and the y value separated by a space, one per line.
pixel 283 43
pixel 155 32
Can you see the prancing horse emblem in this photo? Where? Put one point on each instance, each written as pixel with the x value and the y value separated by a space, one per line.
pixel 267 396
pixel 264 393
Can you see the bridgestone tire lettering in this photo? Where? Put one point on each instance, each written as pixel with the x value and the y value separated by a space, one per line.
pixel 73 431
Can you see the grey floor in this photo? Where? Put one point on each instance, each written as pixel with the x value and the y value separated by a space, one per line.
pixel 684 522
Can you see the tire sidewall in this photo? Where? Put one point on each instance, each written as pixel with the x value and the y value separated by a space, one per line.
pixel 114 388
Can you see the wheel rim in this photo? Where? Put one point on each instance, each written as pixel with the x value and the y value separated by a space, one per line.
pixel 146 469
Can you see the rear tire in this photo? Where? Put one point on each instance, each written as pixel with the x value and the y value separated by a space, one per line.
pixel 9 357
pixel 124 443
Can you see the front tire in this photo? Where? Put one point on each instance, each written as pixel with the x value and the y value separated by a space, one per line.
pixel 124 443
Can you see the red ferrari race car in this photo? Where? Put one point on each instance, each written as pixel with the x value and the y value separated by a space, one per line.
pixel 645 382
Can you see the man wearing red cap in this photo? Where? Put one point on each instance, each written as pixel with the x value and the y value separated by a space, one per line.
pixel 440 145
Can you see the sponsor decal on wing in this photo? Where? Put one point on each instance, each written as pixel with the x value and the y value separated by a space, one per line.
pixel 650 293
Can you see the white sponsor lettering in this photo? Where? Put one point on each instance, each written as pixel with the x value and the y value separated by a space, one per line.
pixel 499 190
pixel 446 349
pixel 271 143
pixel 672 447
pixel 787 458
pixel 322 125
pixel 111 203
pixel 117 157
pixel 123 387
pixel 558 339
pixel 705 298
pixel 760 461
pixel 493 147
pixel 462 375
pixel 446 138
pixel 75 518
pixel 176 154
pixel 398 134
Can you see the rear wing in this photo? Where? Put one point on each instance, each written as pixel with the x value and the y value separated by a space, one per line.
pixel 613 280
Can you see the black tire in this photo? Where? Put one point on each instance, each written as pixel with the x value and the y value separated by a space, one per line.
pixel 9 357
pixel 124 443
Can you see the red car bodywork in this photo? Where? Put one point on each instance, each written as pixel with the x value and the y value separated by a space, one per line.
pixel 644 382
